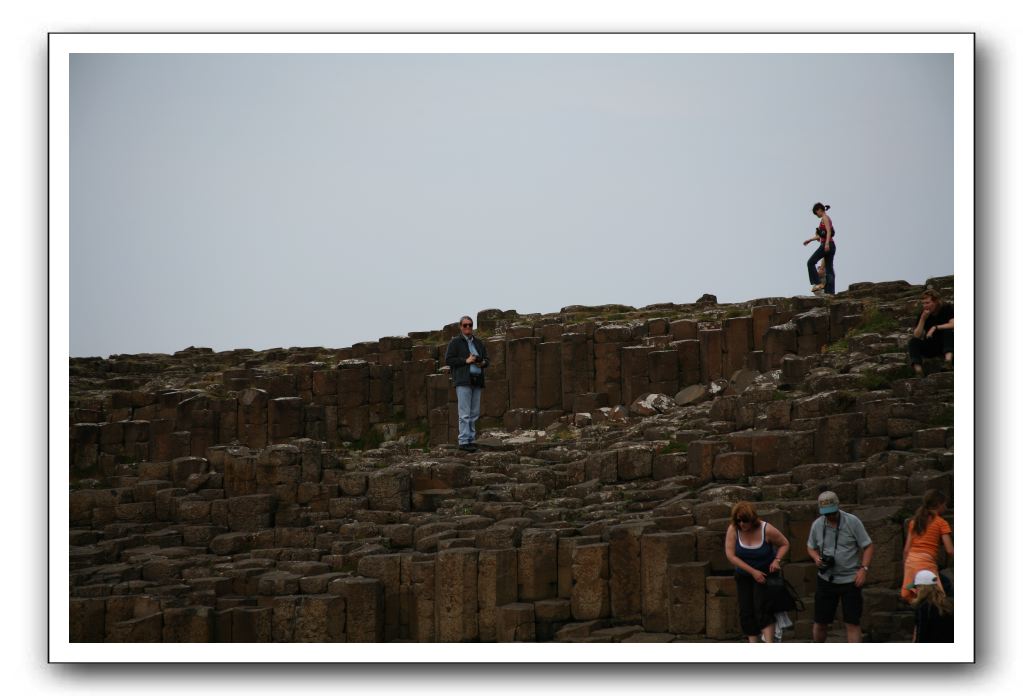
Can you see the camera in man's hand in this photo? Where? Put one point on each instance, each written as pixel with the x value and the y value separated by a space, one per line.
pixel 826 562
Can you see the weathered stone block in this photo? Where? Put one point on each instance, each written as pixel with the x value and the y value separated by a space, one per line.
pixel 794 368
pixel 683 329
pixel 626 578
pixel 711 362
pixel 364 613
pixel 246 625
pixel 780 340
pixel 193 511
pixel 634 462
pixel 635 372
pixel 936 438
pixel 577 370
pixel 602 466
pixel 869 489
pixel 591 596
pixel 183 467
pixel 498 585
pixel 188 625
pixel 687 597
pixel 700 458
pixel 762 317
pixel 320 619
pixel 285 419
pixel 250 513
pixel 515 622
pixel 732 466
pixel 538 565
pixel 87 620
pixel 659 551
pixel 566 545
pixel 386 568
pixel 775 451
pixel 548 376
pixel 390 489
pixel 722 618
pixel 144 629
pixel 252 420
pixel 521 370
pixel 710 547
pixel 422 621
pixel 834 436
pixel 278 583
pixel 456 595
pixel 738 341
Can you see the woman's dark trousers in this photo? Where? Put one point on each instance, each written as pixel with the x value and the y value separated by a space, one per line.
pixel 755 612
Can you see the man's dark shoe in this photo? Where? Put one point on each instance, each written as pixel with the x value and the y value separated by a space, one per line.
pixel 468 447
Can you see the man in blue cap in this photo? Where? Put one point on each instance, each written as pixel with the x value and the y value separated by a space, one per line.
pixel 837 540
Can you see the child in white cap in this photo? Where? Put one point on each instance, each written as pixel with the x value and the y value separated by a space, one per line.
pixel 933 610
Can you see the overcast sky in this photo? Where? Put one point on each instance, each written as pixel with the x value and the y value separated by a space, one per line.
pixel 256 201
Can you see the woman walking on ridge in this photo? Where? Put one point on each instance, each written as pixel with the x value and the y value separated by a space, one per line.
pixel 755 548
pixel 824 234
pixel 924 533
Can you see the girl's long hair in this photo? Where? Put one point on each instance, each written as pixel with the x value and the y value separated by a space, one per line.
pixel 932 594
pixel 932 500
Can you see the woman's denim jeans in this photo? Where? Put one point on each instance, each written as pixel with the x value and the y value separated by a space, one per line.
pixel 829 267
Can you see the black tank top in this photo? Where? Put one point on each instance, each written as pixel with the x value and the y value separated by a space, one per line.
pixel 758 557
pixel 823 233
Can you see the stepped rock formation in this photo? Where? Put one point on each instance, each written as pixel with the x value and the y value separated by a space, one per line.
pixel 313 494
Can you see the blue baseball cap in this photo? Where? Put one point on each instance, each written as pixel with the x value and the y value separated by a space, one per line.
pixel 827 502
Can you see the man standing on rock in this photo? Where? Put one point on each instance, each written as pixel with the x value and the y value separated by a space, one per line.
pixel 836 541
pixel 467 357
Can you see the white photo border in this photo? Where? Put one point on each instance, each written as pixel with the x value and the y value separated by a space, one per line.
pixel 63 45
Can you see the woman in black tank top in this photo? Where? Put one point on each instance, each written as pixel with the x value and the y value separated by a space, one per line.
pixel 755 548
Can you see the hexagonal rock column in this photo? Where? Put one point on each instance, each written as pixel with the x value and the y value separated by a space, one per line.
pixel 591 594
pixel 456 595
pixel 498 573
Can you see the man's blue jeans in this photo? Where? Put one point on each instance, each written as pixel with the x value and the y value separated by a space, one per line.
pixel 468 412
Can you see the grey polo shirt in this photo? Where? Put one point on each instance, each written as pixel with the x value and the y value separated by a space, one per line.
pixel 851 538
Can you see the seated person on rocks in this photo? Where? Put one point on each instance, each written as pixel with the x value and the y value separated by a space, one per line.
pixel 934 331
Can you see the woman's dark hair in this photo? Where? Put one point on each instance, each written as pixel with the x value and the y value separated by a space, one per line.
pixel 820 206
pixel 932 500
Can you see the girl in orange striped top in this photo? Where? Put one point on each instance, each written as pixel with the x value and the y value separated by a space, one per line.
pixel 926 530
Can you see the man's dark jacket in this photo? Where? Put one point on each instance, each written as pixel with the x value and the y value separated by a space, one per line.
pixel 458 353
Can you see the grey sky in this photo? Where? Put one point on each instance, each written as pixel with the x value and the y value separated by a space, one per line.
pixel 254 201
